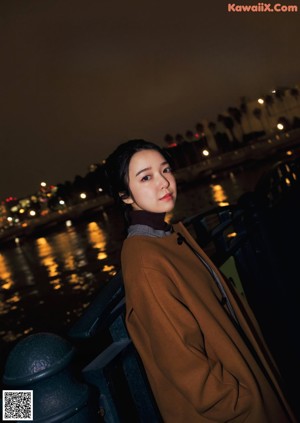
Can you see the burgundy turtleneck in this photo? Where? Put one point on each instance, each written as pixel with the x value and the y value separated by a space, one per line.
pixel 155 220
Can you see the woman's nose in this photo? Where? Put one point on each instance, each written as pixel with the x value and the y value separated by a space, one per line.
pixel 164 182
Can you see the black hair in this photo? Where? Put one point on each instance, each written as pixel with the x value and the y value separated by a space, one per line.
pixel 117 167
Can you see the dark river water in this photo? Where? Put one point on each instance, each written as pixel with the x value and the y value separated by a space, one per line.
pixel 47 282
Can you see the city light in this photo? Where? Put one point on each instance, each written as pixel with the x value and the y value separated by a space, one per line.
pixel 10 219
pixel 205 153
pixel 83 195
pixel 32 213
pixel 61 202
pixel 68 223
pixel 100 189
pixel 8 199
pixel 43 184
pixel 260 101
pixel 280 126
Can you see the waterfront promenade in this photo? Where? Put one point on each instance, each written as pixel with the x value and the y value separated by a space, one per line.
pixel 255 151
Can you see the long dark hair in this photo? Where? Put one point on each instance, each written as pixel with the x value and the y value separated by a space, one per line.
pixel 117 167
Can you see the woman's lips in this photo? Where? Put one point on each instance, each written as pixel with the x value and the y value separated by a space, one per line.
pixel 167 197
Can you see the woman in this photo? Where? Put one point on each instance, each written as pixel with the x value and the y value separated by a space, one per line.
pixel 201 347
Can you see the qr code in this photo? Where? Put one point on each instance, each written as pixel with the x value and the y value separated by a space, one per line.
pixel 17 405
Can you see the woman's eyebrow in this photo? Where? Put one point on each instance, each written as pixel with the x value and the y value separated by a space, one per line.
pixel 143 170
pixel 149 168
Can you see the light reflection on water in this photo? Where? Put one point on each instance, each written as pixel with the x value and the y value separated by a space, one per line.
pixel 45 253
pixel 57 272
pixel 98 239
pixel 46 283
pixel 5 274
pixel 219 195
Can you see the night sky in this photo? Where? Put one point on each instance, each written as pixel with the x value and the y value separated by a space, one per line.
pixel 79 77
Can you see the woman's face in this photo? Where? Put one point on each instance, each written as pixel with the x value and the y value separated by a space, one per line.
pixel 151 183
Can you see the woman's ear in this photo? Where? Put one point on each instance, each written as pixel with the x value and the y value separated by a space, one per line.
pixel 125 198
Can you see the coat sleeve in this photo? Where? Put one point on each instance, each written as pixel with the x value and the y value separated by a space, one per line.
pixel 178 348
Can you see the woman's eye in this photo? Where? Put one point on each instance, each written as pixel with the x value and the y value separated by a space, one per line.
pixel 167 170
pixel 146 178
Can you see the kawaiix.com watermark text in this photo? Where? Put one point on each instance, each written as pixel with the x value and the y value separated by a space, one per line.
pixel 262 8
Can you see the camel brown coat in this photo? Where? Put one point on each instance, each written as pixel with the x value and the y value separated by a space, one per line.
pixel 198 364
